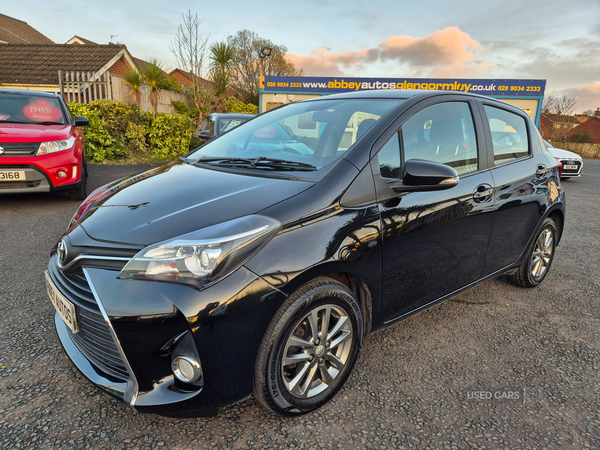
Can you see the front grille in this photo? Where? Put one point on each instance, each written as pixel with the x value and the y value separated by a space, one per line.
pixel 19 149
pixel 94 339
pixel 19 184
pixel 97 345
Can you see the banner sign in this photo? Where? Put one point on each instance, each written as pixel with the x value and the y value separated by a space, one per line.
pixel 331 85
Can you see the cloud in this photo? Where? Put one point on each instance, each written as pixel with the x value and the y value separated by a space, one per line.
pixel 447 52
pixel 587 96
pixel 443 47
pixel 322 62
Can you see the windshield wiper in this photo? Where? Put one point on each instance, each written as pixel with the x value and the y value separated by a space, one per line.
pixel 259 162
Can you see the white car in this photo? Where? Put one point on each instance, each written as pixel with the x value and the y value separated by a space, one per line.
pixel 572 163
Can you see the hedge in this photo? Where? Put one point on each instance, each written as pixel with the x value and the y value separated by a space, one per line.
pixel 118 130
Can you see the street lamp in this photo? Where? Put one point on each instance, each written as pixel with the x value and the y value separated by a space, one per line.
pixel 265 52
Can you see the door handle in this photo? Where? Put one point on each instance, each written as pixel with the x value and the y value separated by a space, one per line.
pixel 483 194
pixel 541 171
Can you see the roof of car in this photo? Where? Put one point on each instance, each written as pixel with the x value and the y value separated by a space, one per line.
pixel 28 92
pixel 399 94
pixel 233 115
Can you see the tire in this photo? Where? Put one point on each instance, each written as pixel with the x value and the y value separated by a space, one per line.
pixel 539 258
pixel 326 362
pixel 81 192
pixel 565 178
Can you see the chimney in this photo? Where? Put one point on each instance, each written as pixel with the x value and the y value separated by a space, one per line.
pixel 597 113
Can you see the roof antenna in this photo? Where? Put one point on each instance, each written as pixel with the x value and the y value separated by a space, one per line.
pixel 113 36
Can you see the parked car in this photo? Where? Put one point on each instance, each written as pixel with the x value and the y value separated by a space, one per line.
pixel 42 147
pixel 572 163
pixel 214 125
pixel 253 266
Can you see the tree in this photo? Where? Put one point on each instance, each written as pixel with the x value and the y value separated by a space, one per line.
pixel 189 47
pixel 154 79
pixel 221 62
pixel 135 81
pixel 248 66
pixel 563 107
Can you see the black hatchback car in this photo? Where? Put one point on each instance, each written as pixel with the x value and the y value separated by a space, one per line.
pixel 258 262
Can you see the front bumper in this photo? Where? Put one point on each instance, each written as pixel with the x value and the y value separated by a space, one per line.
pixel 41 172
pixel 567 173
pixel 226 323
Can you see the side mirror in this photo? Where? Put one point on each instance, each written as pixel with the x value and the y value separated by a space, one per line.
pixel 205 135
pixel 81 121
pixel 422 175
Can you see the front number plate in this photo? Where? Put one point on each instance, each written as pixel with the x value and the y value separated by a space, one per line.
pixel 64 307
pixel 570 167
pixel 12 175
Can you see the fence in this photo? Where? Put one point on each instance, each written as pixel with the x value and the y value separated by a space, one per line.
pixel 121 92
pixel 583 150
pixel 84 87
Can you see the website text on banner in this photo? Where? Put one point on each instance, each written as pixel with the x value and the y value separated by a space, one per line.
pixel 495 87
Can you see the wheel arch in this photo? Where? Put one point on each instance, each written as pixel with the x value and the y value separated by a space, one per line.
pixel 356 284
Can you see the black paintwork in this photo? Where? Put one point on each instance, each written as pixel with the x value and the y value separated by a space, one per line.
pixel 406 250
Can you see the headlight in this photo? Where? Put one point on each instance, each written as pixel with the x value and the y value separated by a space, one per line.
pixel 55 146
pixel 203 256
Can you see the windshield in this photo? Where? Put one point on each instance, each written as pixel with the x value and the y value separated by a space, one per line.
pixel 19 108
pixel 310 133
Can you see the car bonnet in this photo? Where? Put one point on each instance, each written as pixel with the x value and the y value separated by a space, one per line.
pixel 176 199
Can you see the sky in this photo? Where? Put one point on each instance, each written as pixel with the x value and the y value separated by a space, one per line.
pixel 558 41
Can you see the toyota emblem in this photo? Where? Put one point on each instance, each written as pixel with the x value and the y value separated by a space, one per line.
pixel 61 248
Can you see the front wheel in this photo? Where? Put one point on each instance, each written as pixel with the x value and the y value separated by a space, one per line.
pixel 309 349
pixel 539 258
pixel 81 192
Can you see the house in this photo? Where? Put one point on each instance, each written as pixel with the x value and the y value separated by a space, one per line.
pixel 591 127
pixel 187 78
pixel 13 31
pixel 556 126
pixel 36 66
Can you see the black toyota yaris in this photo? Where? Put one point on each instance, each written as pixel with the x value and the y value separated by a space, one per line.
pixel 257 263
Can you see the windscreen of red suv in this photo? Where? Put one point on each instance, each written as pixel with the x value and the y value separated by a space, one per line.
pixel 19 108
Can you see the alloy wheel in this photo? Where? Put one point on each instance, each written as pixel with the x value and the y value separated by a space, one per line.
pixel 542 254
pixel 317 351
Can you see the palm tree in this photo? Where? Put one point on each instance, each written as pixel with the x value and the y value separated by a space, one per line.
pixel 221 62
pixel 135 80
pixel 154 78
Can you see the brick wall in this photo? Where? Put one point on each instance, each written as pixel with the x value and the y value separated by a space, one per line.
pixel 119 68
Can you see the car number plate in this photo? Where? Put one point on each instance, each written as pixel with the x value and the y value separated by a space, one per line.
pixel 570 167
pixel 12 175
pixel 64 307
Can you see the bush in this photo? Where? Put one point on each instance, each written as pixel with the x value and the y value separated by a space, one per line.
pixel 581 138
pixel 233 105
pixel 170 135
pixel 118 130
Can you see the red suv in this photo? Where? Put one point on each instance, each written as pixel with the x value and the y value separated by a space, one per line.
pixel 42 147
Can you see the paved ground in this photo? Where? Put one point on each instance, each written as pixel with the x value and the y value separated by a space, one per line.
pixel 423 383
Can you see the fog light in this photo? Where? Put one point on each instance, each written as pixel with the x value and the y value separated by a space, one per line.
pixel 62 174
pixel 186 369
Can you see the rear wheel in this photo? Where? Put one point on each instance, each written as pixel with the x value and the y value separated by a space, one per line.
pixel 539 259
pixel 309 349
